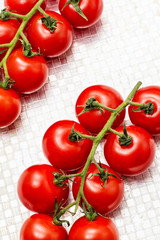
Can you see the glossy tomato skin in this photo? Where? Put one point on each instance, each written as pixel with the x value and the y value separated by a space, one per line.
pixel 99 229
pixel 60 151
pixel 30 73
pixel 133 159
pixel 21 7
pixel 50 44
pixel 150 122
pixel 41 226
pixel 8 30
pixel 92 9
pixel 103 199
pixel 10 107
pixel 93 120
pixel 37 191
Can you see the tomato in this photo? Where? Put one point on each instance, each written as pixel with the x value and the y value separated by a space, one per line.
pixel 133 159
pixel 41 226
pixel 10 107
pixel 151 122
pixel 94 120
pixel 99 229
pixel 21 7
pixel 92 9
pixel 30 73
pixel 8 30
pixel 103 199
pixel 60 151
pixel 37 190
pixel 50 44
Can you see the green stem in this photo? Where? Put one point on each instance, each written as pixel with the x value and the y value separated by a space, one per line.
pixel 115 132
pixel 137 104
pixel 5 45
pixel 16 15
pixel 26 18
pixel 96 142
pixel 43 12
pixel 104 107
pixel 24 38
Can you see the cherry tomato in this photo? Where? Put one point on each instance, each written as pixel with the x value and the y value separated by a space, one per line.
pixel 41 226
pixel 92 9
pixel 8 30
pixel 37 191
pixel 94 120
pixel 103 199
pixel 151 122
pixel 133 159
pixel 30 73
pixel 50 44
pixel 60 151
pixel 99 229
pixel 10 107
pixel 21 7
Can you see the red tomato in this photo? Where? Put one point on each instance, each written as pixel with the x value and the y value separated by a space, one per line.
pixel 92 9
pixel 60 151
pixel 41 226
pixel 150 122
pixel 99 229
pixel 93 120
pixel 10 107
pixel 133 159
pixel 51 44
pixel 21 7
pixel 37 190
pixel 102 199
pixel 30 73
pixel 8 30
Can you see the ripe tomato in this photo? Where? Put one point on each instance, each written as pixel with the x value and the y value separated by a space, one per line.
pixel 94 120
pixel 151 122
pixel 50 44
pixel 30 73
pixel 60 151
pixel 8 30
pixel 21 7
pixel 99 229
pixel 103 199
pixel 37 190
pixel 133 159
pixel 41 226
pixel 92 9
pixel 10 107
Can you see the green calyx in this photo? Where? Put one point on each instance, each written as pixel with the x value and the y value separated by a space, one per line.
pixel 91 104
pixel 104 174
pixel 59 179
pixel 50 23
pixel 5 15
pixel 75 4
pixel 27 50
pixel 90 214
pixel 56 218
pixel 7 84
pixel 75 136
pixel 125 139
pixel 146 108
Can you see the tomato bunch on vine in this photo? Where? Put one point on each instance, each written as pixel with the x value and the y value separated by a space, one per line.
pixel 29 35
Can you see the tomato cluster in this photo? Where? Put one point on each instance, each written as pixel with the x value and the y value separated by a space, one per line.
pixel 42 34
pixel 129 150
pixel 68 145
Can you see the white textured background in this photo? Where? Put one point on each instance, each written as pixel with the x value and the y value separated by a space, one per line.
pixel 121 49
